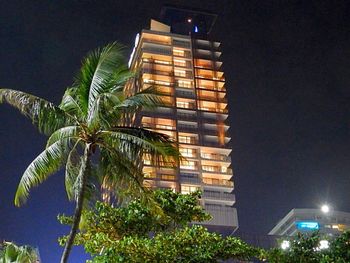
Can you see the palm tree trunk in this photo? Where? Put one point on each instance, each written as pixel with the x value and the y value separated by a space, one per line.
pixel 79 203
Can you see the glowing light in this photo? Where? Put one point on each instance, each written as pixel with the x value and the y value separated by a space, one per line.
pixel 189 20
pixel 325 209
pixel 285 244
pixel 307 225
pixel 196 29
pixel 324 244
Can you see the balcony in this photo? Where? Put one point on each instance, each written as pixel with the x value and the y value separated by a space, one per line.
pixel 216 157
pixel 213 117
pixel 217 170
pixel 213 98
pixel 187 116
pixel 180 43
pixel 218 182
pixel 206 44
pixel 220 196
pixel 157 126
pixel 211 77
pixel 155 50
pixel 185 93
pixel 157 72
pixel 181 53
pixel 186 127
pixel 156 41
pixel 190 179
pixel 213 109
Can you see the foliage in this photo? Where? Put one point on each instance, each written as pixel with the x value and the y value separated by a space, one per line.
pixel 140 233
pixel 339 250
pixel 89 133
pixel 11 253
pixel 189 244
pixel 306 249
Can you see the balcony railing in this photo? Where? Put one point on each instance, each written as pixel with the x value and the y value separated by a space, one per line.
pixel 194 179
pixel 207 87
pixel 183 127
pixel 157 72
pixel 202 76
pixel 187 116
pixel 218 182
pixel 219 196
pixel 155 50
pixel 217 157
pixel 213 109
pixel 179 43
pixel 213 98
pixel 153 41
pixel 157 126
pixel 185 94
pixel 217 170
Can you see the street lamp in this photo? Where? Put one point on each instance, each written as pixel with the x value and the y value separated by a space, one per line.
pixel 325 208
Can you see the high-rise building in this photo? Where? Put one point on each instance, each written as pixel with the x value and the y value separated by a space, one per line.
pixel 177 57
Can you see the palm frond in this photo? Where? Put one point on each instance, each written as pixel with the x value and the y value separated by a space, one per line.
pixel 97 69
pixel 134 141
pixel 148 98
pixel 64 134
pixel 103 113
pixel 45 164
pixel 72 104
pixel 44 114
pixel 120 173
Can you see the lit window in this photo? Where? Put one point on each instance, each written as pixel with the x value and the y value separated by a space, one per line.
pixel 167 177
pixel 180 73
pixel 159 82
pixel 178 52
pixel 162 62
pixel 178 62
pixel 186 189
pixel 150 175
pixel 185 139
pixel 209 168
pixel 183 104
pixel 187 152
pixel 206 155
pixel 184 83
pixel 189 165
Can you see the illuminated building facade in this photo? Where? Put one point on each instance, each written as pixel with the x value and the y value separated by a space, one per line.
pixel 176 57
pixel 308 220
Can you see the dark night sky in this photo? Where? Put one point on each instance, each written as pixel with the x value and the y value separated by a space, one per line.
pixel 287 65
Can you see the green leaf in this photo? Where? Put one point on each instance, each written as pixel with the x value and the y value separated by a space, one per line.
pixel 47 163
pixel 64 135
pixel 72 170
pixel 45 115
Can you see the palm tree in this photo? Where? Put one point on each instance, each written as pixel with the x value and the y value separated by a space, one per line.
pixel 11 253
pixel 88 127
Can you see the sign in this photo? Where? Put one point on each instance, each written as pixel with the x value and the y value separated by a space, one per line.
pixel 307 225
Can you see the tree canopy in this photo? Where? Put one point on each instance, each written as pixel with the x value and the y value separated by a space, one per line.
pixel 139 232
pixel 12 253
